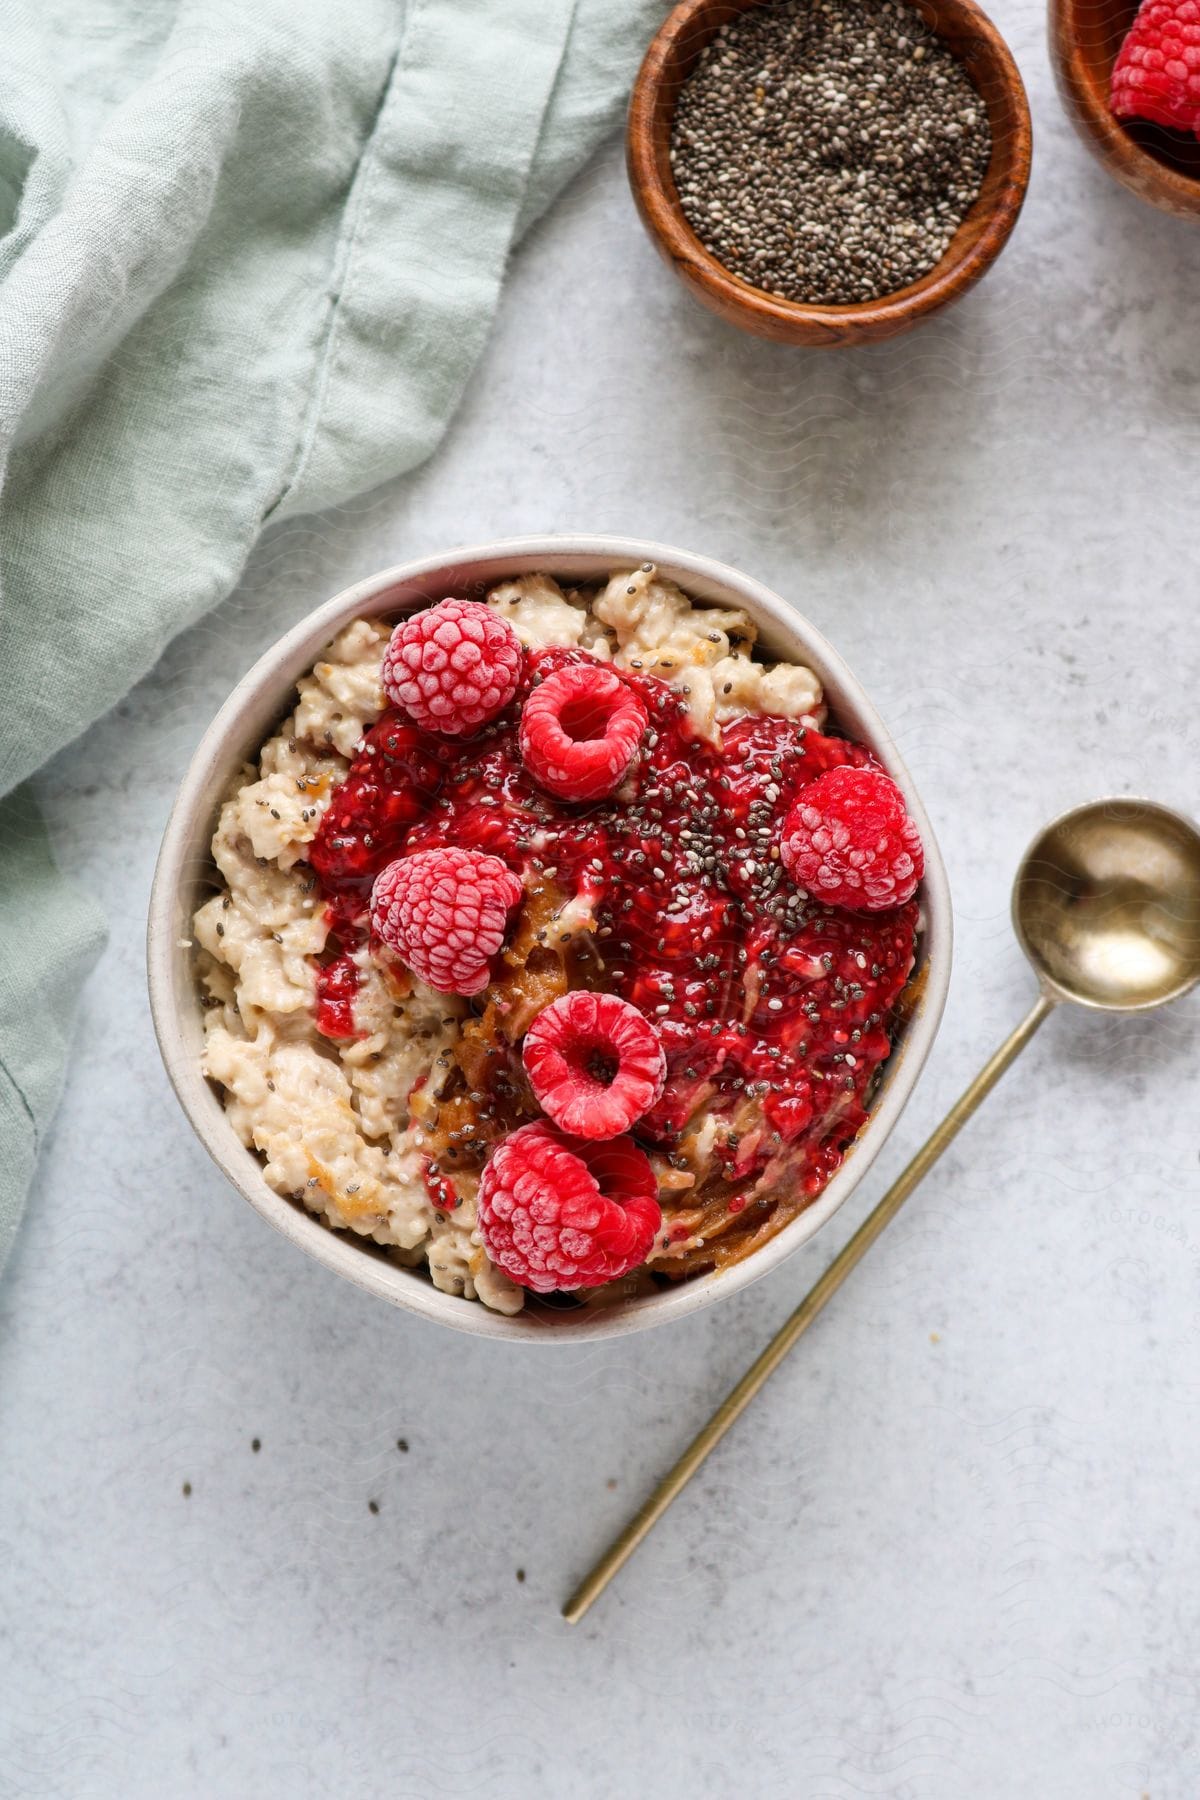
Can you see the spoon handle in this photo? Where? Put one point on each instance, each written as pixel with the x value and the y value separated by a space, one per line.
pixel 848 1258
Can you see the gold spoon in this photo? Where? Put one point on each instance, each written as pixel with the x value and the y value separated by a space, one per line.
pixel 1106 906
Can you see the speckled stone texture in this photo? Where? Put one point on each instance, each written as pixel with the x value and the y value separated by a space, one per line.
pixel 952 1550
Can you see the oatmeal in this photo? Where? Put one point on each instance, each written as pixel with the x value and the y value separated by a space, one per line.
pixel 378 1102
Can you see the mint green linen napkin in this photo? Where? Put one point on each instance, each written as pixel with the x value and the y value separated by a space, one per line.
pixel 248 257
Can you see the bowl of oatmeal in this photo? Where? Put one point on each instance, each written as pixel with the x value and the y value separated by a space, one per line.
pixel 546 936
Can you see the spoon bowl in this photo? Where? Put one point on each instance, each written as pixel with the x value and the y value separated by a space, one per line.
pixel 1106 905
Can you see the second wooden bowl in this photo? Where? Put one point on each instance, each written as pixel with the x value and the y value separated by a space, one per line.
pixel 970 35
pixel 1160 166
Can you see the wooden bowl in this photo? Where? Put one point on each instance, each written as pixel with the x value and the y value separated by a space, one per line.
pixel 971 36
pixel 1158 165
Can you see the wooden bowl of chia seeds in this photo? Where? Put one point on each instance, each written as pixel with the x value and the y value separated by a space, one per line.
pixel 828 172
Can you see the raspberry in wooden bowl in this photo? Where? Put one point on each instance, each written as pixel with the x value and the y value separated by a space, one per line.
pixel 1127 78
pixel 558 958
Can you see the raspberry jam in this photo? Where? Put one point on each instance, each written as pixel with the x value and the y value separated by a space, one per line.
pixel 337 984
pixel 774 1010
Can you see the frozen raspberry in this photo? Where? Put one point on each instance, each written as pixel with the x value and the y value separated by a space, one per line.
pixel 555 1213
pixel 580 731
pixel 444 913
pixel 1157 72
pixel 453 667
pixel 849 841
pixel 594 1063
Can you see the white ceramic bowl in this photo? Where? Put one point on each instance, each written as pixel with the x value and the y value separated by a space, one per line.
pixel 184 876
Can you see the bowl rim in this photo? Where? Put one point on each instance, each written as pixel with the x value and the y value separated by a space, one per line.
pixel 255 706
pixel 809 322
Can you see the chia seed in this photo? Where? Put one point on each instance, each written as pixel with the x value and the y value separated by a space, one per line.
pixel 826 151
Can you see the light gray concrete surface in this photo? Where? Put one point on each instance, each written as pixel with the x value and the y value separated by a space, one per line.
pixel 952 1553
